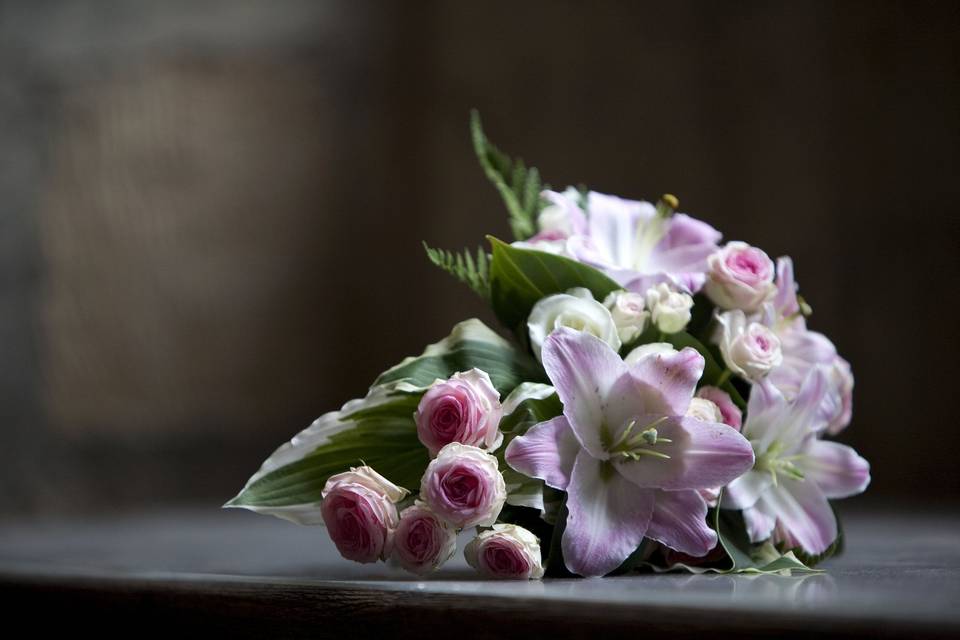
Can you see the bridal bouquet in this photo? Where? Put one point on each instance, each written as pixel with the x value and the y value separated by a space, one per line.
pixel 660 404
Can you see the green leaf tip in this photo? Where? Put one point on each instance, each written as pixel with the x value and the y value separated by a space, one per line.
pixel 471 271
pixel 518 185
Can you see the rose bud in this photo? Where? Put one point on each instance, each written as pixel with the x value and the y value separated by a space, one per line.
pixel 359 510
pixel 628 314
pixel 463 485
pixel 740 277
pixel 465 409
pixel 704 410
pixel 669 309
pixel 732 416
pixel 749 350
pixel 422 541
pixel 507 552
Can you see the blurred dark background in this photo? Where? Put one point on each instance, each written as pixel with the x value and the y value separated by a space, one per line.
pixel 211 211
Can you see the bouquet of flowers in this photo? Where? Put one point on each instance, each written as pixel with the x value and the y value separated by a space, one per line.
pixel 660 404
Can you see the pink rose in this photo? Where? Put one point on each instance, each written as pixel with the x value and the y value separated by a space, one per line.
pixel 740 277
pixel 749 349
pixel 463 485
pixel 732 416
pixel 422 541
pixel 506 551
pixel 464 409
pixel 360 513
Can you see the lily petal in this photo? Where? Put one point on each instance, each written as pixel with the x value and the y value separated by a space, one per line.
pixel 671 377
pixel 703 455
pixel 837 469
pixel 607 518
pixel 680 521
pixel 759 523
pixel 546 451
pixel 582 367
pixel 744 492
pixel 803 511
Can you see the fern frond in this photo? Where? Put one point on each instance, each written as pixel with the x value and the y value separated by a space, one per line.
pixel 473 272
pixel 518 185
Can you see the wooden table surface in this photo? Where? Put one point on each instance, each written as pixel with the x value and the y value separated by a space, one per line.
pixel 236 573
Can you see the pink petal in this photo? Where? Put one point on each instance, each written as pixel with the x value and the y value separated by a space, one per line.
pixel 759 523
pixel 836 468
pixel 613 226
pixel 680 521
pixel 672 380
pixel 547 451
pixel 582 367
pixel 803 511
pixel 785 301
pixel 702 455
pixel 607 518
pixel 744 492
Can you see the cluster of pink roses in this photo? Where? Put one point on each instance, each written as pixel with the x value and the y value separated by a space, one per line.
pixel 458 422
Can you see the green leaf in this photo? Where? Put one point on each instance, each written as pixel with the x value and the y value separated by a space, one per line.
pixel 519 278
pixel 475 273
pixel 746 557
pixel 384 437
pixel 470 344
pixel 518 185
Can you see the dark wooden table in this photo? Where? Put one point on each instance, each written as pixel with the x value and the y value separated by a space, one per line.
pixel 235 573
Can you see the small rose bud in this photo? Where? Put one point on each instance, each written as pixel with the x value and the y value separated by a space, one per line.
pixel 360 513
pixel 628 314
pixel 740 277
pixel 704 410
pixel 505 552
pixel 575 309
pixel 751 350
pixel 422 541
pixel 669 309
pixel 463 485
pixel 465 409
pixel 732 416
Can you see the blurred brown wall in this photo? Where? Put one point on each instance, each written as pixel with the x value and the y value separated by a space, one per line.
pixel 212 211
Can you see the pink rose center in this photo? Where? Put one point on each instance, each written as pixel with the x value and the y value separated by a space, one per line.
pixel 447 418
pixel 749 265
pixel 419 540
pixel 503 559
pixel 462 488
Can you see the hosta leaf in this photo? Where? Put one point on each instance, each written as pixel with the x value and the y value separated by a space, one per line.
pixel 470 344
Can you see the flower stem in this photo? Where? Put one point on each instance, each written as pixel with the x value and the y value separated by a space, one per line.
pixel 724 377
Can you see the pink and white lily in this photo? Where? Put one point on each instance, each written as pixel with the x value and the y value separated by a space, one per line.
pixel 630 240
pixel 785 494
pixel 629 459
pixel 802 350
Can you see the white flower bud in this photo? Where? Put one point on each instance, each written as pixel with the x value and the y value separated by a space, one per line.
pixel 669 309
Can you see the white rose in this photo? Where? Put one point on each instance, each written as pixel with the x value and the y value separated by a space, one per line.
pixel 704 410
pixel 575 309
pixel 628 314
pixel 651 349
pixel 749 349
pixel 370 479
pixel 669 309
pixel 506 552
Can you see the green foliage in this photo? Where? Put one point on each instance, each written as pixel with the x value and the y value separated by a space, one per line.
pixel 384 438
pixel 749 558
pixel 473 272
pixel 506 366
pixel 519 278
pixel 519 186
